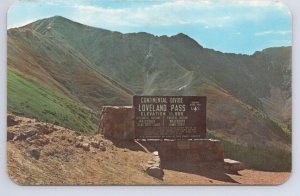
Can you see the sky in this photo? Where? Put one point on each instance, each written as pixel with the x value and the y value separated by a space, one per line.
pixel 231 26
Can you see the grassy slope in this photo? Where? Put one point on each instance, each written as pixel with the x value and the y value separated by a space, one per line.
pixel 261 154
pixel 32 99
pixel 266 159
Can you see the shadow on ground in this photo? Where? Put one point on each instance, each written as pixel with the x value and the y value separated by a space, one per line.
pixel 130 145
pixel 213 171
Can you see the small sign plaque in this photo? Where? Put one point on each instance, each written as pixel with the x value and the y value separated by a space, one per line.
pixel 170 117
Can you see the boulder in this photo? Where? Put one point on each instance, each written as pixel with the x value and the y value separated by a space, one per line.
pixel 84 145
pixel 42 141
pixel 11 120
pixel 233 166
pixel 55 139
pixel 153 167
pixel 24 135
pixel 155 172
pixel 44 128
pixel 117 122
pixel 10 135
pixel 35 153
pixel 30 133
pixel 80 138
pixel 95 144
pixel 102 147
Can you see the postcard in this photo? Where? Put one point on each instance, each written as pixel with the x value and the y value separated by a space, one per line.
pixel 175 92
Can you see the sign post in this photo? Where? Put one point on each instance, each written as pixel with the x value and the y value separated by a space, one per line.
pixel 169 117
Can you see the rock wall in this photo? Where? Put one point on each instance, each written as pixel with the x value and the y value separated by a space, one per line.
pixel 117 122
pixel 199 150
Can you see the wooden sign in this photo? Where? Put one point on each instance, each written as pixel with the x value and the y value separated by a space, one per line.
pixel 170 117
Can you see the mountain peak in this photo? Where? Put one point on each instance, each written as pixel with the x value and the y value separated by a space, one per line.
pixel 58 19
pixel 181 35
pixel 56 22
pixel 185 38
pixel 46 22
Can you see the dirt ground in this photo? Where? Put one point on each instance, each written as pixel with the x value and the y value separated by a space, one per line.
pixel 212 177
pixel 44 154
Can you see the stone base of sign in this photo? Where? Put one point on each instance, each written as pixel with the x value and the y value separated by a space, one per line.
pixel 197 150
pixel 117 122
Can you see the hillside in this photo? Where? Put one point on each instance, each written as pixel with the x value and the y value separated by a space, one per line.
pixel 83 68
pixel 30 98
pixel 61 69
pixel 46 154
pixel 148 64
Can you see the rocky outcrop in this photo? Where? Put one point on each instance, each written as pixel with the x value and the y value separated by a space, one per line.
pixel 35 153
pixel 117 122
pixel 153 167
pixel 29 130
pixel 39 134
pixel 25 135
pixel 54 159
pixel 89 144
pixel 11 120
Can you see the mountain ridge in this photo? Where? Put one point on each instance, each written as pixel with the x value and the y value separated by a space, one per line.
pixel 58 17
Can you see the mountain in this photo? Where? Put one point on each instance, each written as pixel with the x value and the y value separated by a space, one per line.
pixel 249 96
pixel 147 64
pixel 41 63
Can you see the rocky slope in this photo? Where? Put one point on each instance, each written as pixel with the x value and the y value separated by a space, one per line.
pixel 40 153
pixel 148 64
